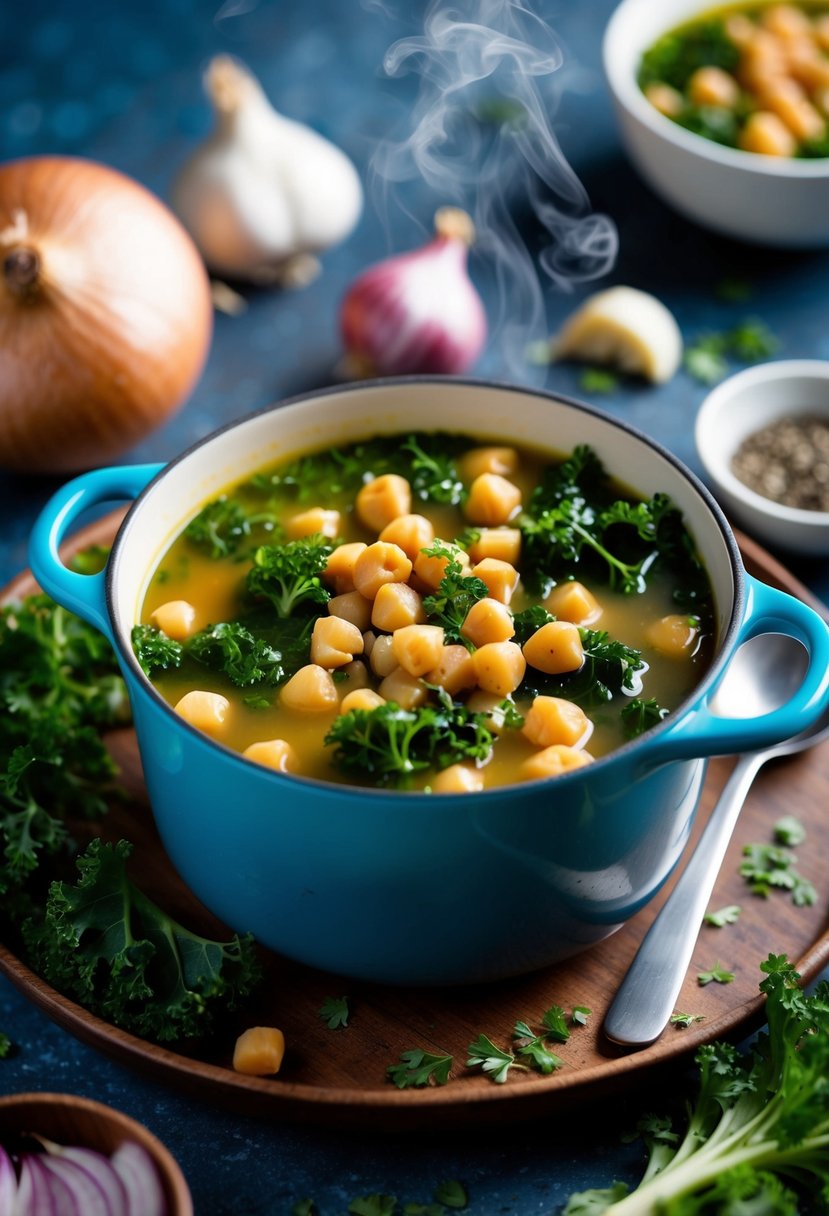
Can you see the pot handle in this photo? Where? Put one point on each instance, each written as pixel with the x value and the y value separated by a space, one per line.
pixel 703 733
pixel 84 594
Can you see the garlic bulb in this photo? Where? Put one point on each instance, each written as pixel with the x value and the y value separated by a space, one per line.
pixel 263 194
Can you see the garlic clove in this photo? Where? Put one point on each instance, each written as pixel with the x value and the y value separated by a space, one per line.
pixel 263 193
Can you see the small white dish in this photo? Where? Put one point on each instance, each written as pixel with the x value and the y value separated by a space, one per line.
pixel 769 200
pixel 742 405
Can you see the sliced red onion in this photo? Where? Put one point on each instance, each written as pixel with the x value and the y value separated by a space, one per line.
pixel 418 312
pixel 57 1196
pixel 137 1170
pixel 8 1184
pixel 101 1170
pixel 91 1199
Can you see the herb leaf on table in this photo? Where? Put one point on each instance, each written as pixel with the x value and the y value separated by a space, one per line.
pixel 108 945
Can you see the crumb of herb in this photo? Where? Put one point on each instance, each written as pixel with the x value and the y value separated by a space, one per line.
pixel 706 359
pixel 5 1045
pixel 789 831
pixel 717 975
pixel 418 1068
pixel 769 865
pixel 683 1020
pixel 580 1015
pixel 723 916
pixel 334 1012
pixel 597 380
pixel 451 1193
pixel 495 1062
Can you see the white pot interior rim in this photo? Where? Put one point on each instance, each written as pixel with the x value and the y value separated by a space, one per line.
pixel 633 27
pixel 186 483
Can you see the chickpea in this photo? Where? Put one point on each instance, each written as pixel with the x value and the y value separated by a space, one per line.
pixel 207 711
pixel 339 569
pixel 382 500
pixel 500 667
pixel 310 690
pixel 417 648
pixel 503 461
pixel 410 532
pixel 381 657
pixel 551 720
pixel 571 601
pixel 665 99
pixel 789 102
pixel 458 779
pixel 675 635
pixel 176 618
pixel 378 564
pixel 710 86
pixel 553 761
pixel 488 620
pixel 396 605
pixel 335 641
pixel 455 670
pixel 361 698
pixel 277 754
pixel 309 523
pixel 767 134
pixel 500 577
pixel 492 500
pixel 353 607
pixel 404 689
pixel 501 543
pixel 555 648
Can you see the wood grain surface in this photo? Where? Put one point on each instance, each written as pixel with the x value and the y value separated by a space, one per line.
pixel 339 1076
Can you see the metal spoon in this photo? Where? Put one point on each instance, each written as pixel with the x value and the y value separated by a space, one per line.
pixel 762 676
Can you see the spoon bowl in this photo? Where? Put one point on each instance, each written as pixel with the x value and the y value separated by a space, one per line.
pixel 763 675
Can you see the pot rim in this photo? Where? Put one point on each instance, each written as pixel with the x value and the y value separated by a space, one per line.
pixel 293 780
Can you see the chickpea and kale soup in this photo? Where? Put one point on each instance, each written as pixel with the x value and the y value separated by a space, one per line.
pixel 751 76
pixel 428 612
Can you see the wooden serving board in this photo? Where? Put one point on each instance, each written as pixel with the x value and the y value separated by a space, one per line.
pixel 339 1076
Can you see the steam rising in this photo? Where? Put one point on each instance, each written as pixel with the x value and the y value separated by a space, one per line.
pixel 474 55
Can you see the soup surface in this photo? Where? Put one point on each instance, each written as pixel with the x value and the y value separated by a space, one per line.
pixel 751 76
pixel 428 612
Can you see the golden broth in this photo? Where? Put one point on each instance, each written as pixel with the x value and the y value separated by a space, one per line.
pixel 216 589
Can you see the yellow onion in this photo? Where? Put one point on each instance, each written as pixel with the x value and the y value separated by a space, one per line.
pixel 105 313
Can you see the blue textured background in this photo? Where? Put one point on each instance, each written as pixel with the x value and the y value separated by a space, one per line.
pixel 122 83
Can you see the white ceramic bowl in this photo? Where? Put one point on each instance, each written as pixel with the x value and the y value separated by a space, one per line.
pixel 741 405
pixel 763 199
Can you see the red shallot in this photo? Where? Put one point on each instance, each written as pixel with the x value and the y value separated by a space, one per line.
pixel 417 312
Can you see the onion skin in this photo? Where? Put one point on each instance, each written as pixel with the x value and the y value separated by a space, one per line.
pixel 418 312
pixel 105 314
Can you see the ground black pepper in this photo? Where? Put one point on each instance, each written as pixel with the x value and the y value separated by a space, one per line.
pixel 788 462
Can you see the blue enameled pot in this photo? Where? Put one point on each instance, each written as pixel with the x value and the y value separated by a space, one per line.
pixel 407 887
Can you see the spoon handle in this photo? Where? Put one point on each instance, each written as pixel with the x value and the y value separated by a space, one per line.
pixel 645 999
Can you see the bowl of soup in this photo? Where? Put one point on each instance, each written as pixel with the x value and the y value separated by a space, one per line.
pixel 724 110
pixel 420 669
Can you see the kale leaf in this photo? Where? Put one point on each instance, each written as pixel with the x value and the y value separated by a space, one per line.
pixel 230 647
pixel 105 943
pixel 221 528
pixel 289 575
pixel 390 744
pixel 59 689
pixel 154 650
